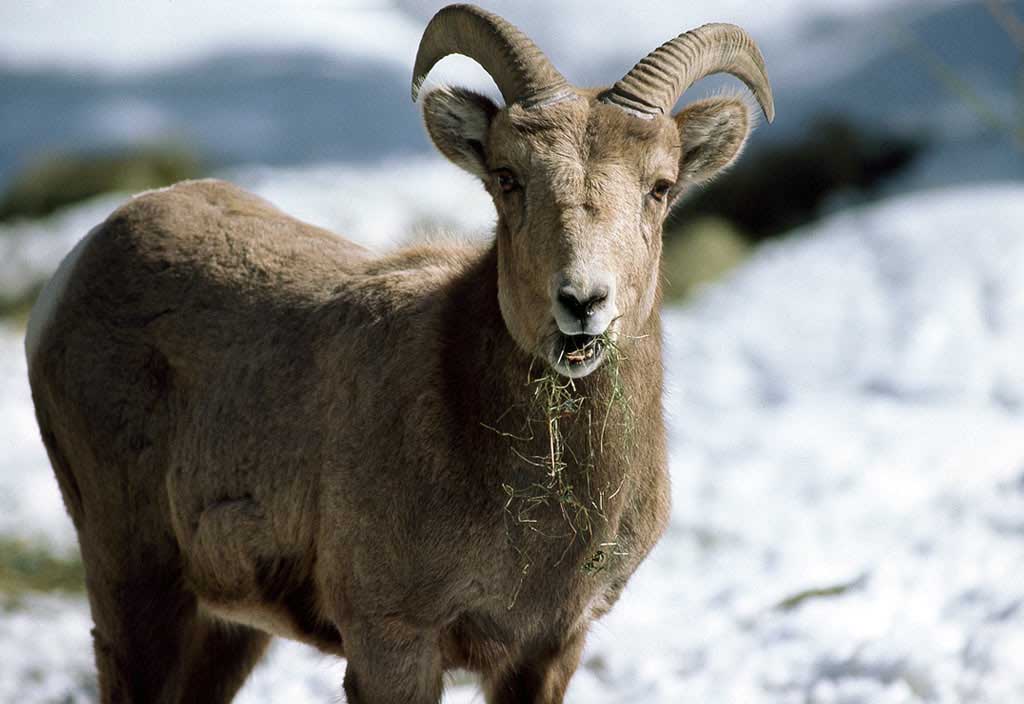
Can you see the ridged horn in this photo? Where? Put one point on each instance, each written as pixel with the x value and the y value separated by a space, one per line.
pixel 521 71
pixel 653 86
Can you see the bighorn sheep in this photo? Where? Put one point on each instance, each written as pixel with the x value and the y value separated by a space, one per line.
pixel 262 429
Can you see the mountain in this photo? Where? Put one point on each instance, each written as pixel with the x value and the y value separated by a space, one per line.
pixel 896 65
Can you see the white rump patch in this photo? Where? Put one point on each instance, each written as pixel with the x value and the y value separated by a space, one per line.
pixel 46 304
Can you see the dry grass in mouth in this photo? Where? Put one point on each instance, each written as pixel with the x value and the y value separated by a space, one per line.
pixel 575 353
pixel 574 429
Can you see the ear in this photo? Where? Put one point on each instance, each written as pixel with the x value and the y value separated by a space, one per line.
pixel 458 121
pixel 712 133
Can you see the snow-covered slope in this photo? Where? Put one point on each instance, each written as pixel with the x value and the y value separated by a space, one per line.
pixel 95 36
pixel 329 81
pixel 379 205
pixel 846 416
pixel 846 410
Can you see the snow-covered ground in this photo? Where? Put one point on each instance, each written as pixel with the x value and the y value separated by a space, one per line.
pixel 297 82
pixel 380 205
pixel 92 35
pixel 846 411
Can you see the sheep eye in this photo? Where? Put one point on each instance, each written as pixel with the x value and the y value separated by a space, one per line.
pixel 660 190
pixel 506 180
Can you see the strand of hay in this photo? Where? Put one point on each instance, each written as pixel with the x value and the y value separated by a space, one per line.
pixel 562 475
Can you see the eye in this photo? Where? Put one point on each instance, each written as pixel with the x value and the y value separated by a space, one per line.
pixel 660 190
pixel 507 180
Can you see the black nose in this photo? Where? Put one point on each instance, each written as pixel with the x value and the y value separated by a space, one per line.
pixel 582 309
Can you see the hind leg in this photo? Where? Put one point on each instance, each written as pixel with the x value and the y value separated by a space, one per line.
pixel 152 643
pixel 221 658
pixel 155 648
pixel 142 630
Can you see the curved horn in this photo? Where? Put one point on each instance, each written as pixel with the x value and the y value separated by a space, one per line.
pixel 653 86
pixel 521 71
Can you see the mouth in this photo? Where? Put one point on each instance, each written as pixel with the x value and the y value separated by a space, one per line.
pixel 576 356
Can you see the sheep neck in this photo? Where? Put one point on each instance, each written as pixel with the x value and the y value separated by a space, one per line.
pixel 502 420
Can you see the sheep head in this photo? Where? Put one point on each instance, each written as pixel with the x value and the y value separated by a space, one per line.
pixel 583 179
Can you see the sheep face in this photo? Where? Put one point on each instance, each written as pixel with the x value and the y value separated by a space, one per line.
pixel 581 189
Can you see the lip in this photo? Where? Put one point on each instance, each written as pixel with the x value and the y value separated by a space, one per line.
pixel 576 356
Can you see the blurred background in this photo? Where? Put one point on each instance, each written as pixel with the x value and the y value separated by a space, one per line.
pixel 845 325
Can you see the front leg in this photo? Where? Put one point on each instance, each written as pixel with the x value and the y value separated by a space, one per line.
pixel 540 676
pixel 391 663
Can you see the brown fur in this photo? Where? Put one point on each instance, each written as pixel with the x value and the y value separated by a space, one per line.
pixel 259 428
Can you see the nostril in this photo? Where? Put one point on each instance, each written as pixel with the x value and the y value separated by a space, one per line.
pixel 585 308
pixel 599 296
pixel 572 304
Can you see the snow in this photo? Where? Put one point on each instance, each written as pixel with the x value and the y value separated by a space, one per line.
pixel 94 36
pixel 300 82
pixel 845 412
pixel 112 36
pixel 380 205
pixel 384 204
pixel 30 505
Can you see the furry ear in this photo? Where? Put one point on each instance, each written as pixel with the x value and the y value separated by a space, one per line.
pixel 458 121
pixel 712 133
